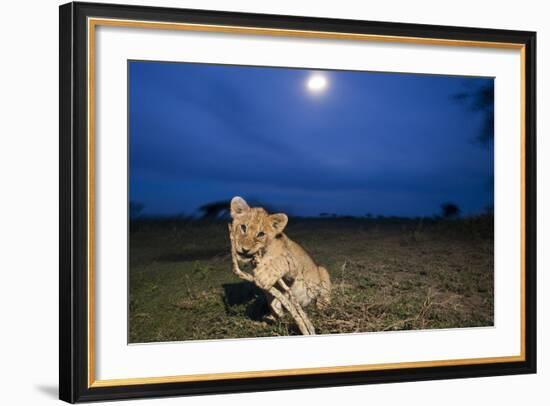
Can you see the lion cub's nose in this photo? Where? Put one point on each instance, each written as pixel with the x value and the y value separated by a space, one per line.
pixel 245 250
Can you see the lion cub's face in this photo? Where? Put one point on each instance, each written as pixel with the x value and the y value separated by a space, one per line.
pixel 253 228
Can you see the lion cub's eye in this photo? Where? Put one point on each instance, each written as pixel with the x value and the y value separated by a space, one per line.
pixel 243 228
pixel 260 234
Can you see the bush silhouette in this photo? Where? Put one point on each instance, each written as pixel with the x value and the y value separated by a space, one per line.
pixel 450 210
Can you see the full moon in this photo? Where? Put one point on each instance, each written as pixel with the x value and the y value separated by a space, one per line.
pixel 317 83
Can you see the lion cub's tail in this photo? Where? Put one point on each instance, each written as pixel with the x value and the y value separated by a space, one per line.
pixel 323 300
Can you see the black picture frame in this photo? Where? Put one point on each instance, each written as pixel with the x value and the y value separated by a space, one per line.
pixel 73 283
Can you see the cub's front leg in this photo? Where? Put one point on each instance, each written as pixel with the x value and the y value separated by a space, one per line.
pixel 269 271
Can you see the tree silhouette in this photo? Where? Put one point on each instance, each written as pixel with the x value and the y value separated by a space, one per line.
pixel 215 210
pixel 221 209
pixel 482 101
pixel 450 210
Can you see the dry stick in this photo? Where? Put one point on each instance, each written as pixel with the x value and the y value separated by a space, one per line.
pixel 292 309
pixel 299 308
pixel 288 304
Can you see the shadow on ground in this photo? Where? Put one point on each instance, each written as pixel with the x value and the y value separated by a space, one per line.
pixel 246 293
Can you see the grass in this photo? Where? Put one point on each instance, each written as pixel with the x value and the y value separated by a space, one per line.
pixel 387 274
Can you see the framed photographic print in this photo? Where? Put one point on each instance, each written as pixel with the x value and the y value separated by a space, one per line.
pixel 256 202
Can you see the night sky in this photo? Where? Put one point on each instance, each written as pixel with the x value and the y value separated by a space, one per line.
pixel 378 143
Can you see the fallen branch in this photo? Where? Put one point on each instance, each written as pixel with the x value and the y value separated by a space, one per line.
pixel 289 303
pixel 299 308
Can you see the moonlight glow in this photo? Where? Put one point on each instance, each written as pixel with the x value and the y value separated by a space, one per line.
pixel 317 83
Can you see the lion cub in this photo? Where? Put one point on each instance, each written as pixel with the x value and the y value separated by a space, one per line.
pixel 260 241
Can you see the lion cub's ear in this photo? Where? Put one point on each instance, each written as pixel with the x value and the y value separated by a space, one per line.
pixel 279 222
pixel 238 206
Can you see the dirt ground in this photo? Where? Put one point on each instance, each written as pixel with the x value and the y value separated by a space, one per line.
pixel 387 274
